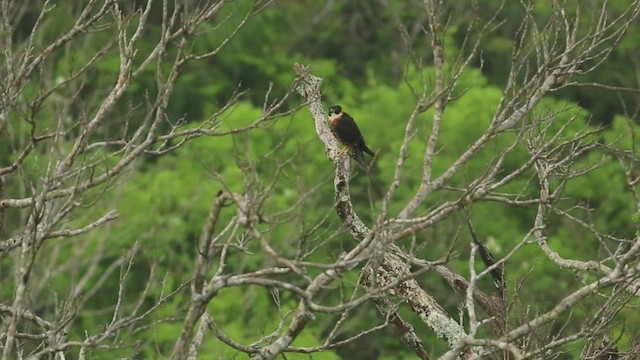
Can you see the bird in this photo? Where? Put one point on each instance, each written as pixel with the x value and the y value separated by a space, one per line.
pixel 345 129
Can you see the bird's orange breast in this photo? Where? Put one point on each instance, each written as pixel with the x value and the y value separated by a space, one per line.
pixel 333 122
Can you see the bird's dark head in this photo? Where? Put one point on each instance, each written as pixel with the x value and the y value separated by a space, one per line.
pixel 335 110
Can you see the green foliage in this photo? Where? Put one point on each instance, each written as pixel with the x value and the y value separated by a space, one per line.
pixel 167 203
pixel 164 205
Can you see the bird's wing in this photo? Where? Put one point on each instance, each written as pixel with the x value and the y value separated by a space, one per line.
pixel 348 130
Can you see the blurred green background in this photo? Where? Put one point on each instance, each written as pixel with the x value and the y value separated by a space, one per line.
pixel 367 67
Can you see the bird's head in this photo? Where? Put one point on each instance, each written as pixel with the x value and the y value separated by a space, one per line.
pixel 335 110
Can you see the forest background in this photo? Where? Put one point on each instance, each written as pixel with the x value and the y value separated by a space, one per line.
pixel 111 267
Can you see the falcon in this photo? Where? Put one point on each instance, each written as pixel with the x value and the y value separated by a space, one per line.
pixel 347 132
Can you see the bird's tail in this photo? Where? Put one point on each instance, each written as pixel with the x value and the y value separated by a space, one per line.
pixel 367 150
pixel 358 156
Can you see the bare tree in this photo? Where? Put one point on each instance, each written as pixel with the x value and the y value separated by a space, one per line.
pixel 551 154
pixel 79 161
pixel 40 116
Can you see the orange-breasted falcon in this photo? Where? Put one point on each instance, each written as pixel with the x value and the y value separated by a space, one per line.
pixel 347 132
